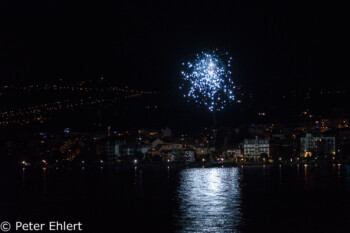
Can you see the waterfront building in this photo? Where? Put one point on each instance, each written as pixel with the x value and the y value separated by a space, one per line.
pixel 317 145
pixel 234 154
pixel 204 150
pixel 165 150
pixel 172 155
pixel 256 146
pixel 133 149
pixel 110 148
pixel 189 155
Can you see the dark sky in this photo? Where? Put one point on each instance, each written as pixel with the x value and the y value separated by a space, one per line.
pixel 143 43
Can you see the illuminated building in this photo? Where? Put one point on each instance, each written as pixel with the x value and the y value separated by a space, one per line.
pixel 132 149
pixel 110 148
pixel 319 145
pixel 256 146
pixel 189 155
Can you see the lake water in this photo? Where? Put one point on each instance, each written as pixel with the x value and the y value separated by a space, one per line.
pixel 238 199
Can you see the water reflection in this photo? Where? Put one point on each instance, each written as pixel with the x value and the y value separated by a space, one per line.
pixel 210 200
pixel 188 200
pixel 339 170
pixel 280 173
pixel 305 174
pixel 44 173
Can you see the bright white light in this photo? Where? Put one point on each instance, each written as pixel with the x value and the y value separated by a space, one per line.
pixel 207 80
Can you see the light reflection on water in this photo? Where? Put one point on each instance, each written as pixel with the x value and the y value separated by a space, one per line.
pixel 210 200
pixel 242 199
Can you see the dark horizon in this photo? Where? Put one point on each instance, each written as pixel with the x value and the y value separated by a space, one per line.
pixel 279 51
pixel 273 45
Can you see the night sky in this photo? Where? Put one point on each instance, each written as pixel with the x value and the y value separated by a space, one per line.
pixel 142 44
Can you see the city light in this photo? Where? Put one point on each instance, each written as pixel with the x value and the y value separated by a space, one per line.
pixel 41 112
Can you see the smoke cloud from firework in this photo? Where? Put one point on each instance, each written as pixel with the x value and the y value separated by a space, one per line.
pixel 207 80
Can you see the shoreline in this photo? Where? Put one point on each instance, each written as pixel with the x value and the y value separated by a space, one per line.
pixel 179 165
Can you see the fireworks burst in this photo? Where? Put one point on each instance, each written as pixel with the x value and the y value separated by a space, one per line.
pixel 207 80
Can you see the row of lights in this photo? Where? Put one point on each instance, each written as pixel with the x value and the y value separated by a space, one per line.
pixel 55 106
